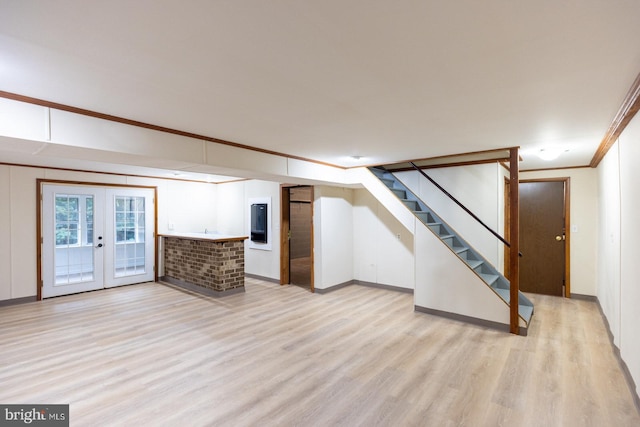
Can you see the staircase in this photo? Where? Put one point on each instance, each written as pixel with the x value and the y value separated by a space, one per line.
pixel 486 273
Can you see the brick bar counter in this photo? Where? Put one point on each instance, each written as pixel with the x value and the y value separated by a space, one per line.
pixel 212 264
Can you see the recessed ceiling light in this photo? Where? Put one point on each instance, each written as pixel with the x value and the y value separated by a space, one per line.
pixel 357 158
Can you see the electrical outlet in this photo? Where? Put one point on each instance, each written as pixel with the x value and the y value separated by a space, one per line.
pixel 170 226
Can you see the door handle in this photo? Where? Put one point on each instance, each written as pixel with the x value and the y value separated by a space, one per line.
pixel 99 245
pixel 560 238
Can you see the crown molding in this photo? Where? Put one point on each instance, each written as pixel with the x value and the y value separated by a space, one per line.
pixel 630 106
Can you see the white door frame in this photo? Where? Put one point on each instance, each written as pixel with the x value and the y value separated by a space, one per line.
pixel 83 254
pixel 119 251
pixel 151 249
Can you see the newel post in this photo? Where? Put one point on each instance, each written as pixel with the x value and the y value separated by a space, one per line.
pixel 514 228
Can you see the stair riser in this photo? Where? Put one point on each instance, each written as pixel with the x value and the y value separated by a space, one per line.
pixel 401 194
pixel 387 182
pixel 439 230
pixel 411 205
pixel 425 217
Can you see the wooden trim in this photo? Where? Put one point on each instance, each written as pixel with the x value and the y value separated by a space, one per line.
pixel 156 245
pixel 567 238
pixel 507 227
pixel 471 153
pixel 39 281
pixel 42 181
pixel 21 165
pixel 514 232
pixel 130 122
pixel 91 183
pixel 312 281
pixel 630 106
pixel 567 227
pixel 444 165
pixel 495 150
pixel 285 251
pixel 285 267
pixel 136 123
pixel 555 169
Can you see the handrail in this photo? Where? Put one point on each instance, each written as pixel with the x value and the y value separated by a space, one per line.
pixel 457 202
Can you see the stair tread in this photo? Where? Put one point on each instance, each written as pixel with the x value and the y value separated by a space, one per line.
pixel 526 312
pixel 504 293
pixel 489 278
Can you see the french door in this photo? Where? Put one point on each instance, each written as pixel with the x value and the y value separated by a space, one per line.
pixel 96 237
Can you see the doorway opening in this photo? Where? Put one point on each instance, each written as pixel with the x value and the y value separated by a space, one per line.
pixel 297 236
pixel 94 237
pixel 544 236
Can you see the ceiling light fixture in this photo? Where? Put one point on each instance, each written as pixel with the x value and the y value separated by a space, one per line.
pixel 549 154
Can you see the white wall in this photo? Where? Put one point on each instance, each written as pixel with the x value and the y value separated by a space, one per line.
pixel 231 200
pixel 629 289
pixel 189 206
pixel 333 236
pixel 45 134
pixel 480 188
pixel 265 263
pixel 22 231
pixel 444 284
pixel 5 233
pixel 608 243
pixel 584 224
pixel 383 247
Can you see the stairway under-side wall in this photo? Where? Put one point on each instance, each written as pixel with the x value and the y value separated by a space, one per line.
pixel 452 278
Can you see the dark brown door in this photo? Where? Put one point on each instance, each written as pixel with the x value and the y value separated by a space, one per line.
pixel 284 236
pixel 296 255
pixel 300 226
pixel 542 237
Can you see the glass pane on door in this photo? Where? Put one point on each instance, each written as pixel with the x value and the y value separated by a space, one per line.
pixel 129 236
pixel 73 254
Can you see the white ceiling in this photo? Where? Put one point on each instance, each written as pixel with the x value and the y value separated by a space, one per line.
pixel 326 80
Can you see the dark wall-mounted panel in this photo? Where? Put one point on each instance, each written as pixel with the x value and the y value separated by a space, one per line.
pixel 259 219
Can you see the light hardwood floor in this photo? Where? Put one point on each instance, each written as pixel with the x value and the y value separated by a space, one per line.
pixel 152 355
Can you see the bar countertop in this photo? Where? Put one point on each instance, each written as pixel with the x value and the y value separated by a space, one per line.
pixel 212 237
